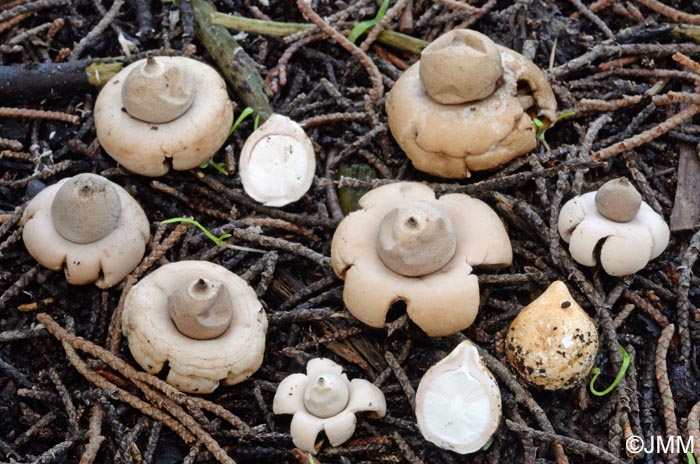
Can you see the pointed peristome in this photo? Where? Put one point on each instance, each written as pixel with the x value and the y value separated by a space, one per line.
pixel 201 310
pixel 416 239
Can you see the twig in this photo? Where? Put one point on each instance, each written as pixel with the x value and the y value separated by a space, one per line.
pixel 97 30
pixel 25 113
pixel 577 446
pixel 375 76
pixel 30 7
pixel 669 405
pixel 646 136
pixel 585 11
pixel 238 68
pixel 671 13
pixel 93 434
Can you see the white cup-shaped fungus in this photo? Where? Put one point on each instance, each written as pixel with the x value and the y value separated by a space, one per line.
pixel 200 318
pixel 277 162
pixel 88 226
pixel 631 233
pixel 404 244
pixel 163 111
pixel 324 399
pixel 458 402
pixel 552 342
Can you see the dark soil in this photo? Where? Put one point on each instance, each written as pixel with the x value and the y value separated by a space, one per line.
pixel 46 406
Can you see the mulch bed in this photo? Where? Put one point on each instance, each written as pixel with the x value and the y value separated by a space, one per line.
pixel 625 68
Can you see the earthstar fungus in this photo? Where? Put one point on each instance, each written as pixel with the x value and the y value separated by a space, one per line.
pixel 552 342
pixel 467 105
pixel 277 162
pixel 404 244
pixel 200 318
pixel 458 402
pixel 88 226
pixel 324 399
pixel 631 232
pixel 161 111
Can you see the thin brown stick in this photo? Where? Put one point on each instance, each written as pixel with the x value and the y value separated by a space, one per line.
pixel 375 76
pixel 671 13
pixel 24 113
pixel 669 411
pixel 646 136
pixel 94 436
pixel 391 13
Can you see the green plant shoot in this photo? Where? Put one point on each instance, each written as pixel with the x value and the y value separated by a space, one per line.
pixel 218 240
pixel 362 27
pixel 541 127
pixel 691 458
pixel 241 117
pixel 623 370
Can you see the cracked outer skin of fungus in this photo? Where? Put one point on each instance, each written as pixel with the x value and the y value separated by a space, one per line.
pixel 450 140
pixel 440 303
pixel 294 393
pixel 626 248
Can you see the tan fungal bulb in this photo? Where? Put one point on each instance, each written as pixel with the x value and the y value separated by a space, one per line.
pixel 157 92
pixel 86 208
pixel 618 200
pixel 553 343
pixel 326 395
pixel 460 66
pixel 201 310
pixel 416 239
pixel 458 402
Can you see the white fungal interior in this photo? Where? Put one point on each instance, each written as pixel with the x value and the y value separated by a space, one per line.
pixel 456 407
pixel 278 167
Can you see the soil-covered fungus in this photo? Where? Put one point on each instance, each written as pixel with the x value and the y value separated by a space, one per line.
pixel 277 162
pixel 324 399
pixel 458 402
pixel 161 111
pixel 404 244
pixel 617 224
pixel 552 343
pixel 467 105
pixel 200 318
pixel 88 226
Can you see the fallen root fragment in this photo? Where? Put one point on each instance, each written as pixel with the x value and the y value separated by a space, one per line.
pixel 671 13
pixel 6 112
pixel 669 406
pixel 646 136
pixel 694 428
pixel 572 444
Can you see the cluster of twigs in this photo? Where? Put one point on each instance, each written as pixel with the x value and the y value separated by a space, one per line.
pixel 627 70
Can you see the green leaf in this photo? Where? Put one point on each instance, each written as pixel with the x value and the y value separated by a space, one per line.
pixel 487 445
pixel 218 240
pixel 217 166
pixel 210 236
pixel 691 458
pixel 241 117
pixel 623 370
pixel 363 26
